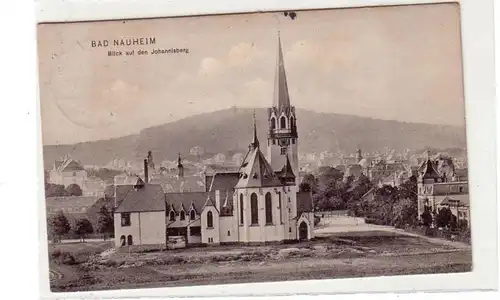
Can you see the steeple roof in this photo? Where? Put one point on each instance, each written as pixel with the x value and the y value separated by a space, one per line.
pixel 255 171
pixel 287 171
pixel 255 140
pixel 281 96
pixel 427 169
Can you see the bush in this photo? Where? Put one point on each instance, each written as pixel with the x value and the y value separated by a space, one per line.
pixel 62 258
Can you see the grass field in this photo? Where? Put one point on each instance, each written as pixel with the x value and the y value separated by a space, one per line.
pixel 336 256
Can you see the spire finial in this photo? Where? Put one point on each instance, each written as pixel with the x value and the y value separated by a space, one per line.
pixel 255 141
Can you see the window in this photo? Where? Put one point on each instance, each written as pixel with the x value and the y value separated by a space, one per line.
pixel 210 240
pixel 254 208
pixel 196 231
pixel 122 241
pixel 269 209
pixel 183 216
pixel 283 150
pixel 172 216
pixel 289 229
pixel 192 215
pixel 293 141
pixel 273 123
pixel 125 219
pixel 228 233
pixel 461 189
pixel 283 122
pixel 241 209
pixel 129 240
pixel 291 122
pixel 210 220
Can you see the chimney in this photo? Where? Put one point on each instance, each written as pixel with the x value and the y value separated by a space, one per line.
pixel 146 178
pixel 217 199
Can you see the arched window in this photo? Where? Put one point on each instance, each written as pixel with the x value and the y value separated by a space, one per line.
pixel 210 220
pixel 283 122
pixel 241 209
pixel 183 215
pixel 269 209
pixel 122 241
pixel 192 215
pixel 273 123
pixel 172 216
pixel 254 208
pixel 292 122
pixel 129 240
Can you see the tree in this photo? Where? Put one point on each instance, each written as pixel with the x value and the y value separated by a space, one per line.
pixel 426 217
pixel 444 217
pixel 405 213
pixel 74 190
pixel 105 221
pixel 55 190
pixel 408 189
pixel 82 228
pixel 308 184
pixel 58 225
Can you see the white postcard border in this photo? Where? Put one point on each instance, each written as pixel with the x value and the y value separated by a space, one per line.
pixel 478 57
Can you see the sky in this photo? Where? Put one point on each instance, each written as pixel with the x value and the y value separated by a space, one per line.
pixel 396 63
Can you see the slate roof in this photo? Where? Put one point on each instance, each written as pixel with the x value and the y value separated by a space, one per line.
pixel 149 197
pixel 224 183
pixel 453 200
pixel 127 179
pixel 179 185
pixel 197 199
pixel 304 202
pixel 427 169
pixel 256 171
pixel 68 165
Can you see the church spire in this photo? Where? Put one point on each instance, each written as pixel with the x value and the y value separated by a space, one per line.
pixel 180 168
pixel 255 141
pixel 281 96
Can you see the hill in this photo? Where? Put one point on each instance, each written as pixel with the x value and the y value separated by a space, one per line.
pixel 230 130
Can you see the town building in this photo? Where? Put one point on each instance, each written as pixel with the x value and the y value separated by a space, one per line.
pixel 259 203
pixel 67 171
pixel 438 188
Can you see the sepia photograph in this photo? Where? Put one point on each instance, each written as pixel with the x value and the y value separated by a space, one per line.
pixel 256 147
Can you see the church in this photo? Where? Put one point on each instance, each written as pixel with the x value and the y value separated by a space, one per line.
pixel 260 203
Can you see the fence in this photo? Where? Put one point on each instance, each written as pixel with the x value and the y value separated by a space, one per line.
pixel 463 236
pixel 73 236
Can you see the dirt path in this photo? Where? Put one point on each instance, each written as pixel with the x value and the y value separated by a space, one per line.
pixel 343 224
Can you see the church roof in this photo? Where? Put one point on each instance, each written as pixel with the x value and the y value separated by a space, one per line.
pixel 256 171
pixel 195 199
pixel 224 183
pixel 281 96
